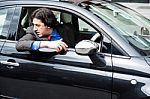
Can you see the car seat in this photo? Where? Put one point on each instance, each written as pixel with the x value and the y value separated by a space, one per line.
pixel 68 30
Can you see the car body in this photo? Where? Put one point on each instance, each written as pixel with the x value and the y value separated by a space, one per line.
pixel 106 62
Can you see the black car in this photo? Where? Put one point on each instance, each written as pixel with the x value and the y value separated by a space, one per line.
pixel 110 59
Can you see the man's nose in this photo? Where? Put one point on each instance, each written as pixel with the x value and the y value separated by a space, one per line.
pixel 34 28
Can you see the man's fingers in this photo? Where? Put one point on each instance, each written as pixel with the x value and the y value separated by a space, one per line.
pixel 63 45
pixel 59 45
pixel 61 42
pixel 59 48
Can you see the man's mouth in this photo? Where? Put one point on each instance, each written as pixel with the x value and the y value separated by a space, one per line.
pixel 37 33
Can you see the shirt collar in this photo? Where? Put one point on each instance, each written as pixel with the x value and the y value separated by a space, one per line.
pixel 54 33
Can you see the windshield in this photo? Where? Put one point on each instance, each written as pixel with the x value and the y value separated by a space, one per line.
pixel 132 26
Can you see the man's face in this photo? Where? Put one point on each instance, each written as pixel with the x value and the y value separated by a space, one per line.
pixel 40 28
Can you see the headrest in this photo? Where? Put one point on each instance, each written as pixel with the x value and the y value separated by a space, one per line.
pixel 65 18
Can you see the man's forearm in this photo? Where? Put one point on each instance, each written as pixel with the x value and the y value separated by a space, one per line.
pixel 24 45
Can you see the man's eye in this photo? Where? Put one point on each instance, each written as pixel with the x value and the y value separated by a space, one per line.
pixel 37 25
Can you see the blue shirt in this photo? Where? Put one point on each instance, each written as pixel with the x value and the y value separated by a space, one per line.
pixel 54 36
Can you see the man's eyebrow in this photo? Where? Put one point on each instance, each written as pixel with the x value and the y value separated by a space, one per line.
pixel 34 24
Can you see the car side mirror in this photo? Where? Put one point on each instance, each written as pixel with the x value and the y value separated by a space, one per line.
pixel 86 47
pixel 90 48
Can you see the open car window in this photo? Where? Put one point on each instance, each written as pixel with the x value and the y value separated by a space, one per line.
pixel 80 30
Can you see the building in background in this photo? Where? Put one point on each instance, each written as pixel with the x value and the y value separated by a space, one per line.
pixel 141 6
pixel 136 1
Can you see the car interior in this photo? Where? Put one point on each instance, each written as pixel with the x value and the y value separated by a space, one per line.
pixel 77 28
pixel 68 21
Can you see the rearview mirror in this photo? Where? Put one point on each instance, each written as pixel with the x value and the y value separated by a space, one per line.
pixel 86 47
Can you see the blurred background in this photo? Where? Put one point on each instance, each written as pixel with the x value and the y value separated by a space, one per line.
pixel 141 6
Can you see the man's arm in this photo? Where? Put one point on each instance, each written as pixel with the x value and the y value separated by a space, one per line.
pixel 25 43
pixel 59 45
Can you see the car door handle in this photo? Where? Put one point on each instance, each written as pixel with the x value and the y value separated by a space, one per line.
pixel 9 63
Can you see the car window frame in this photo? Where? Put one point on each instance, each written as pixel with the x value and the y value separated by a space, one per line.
pixel 51 59
pixel 79 15
pixel 14 24
pixel 9 19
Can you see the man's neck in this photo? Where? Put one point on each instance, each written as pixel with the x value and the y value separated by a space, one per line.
pixel 51 30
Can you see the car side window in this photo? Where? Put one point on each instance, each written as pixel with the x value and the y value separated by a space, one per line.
pixel 3 14
pixel 80 30
pixel 87 32
pixel 111 47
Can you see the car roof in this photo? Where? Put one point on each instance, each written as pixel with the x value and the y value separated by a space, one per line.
pixel 43 0
pixel 49 0
pixel 28 0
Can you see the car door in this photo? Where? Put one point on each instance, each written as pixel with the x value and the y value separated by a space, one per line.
pixel 45 75
pixel 6 14
pixel 130 77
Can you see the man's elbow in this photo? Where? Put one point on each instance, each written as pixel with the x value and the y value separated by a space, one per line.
pixel 23 46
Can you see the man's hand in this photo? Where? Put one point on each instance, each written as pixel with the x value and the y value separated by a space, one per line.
pixel 59 45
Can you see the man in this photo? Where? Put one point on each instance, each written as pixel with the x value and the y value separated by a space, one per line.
pixel 42 33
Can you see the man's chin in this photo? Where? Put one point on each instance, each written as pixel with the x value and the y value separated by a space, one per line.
pixel 39 35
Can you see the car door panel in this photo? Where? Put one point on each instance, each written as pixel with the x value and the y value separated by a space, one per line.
pixel 26 75
pixel 53 74
pixel 130 79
